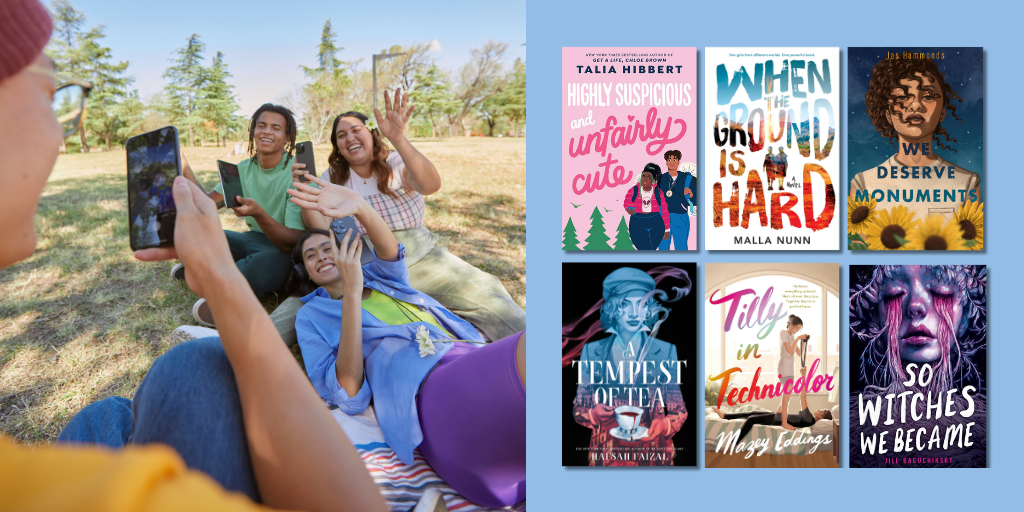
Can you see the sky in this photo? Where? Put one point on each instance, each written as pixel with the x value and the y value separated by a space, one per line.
pixel 265 42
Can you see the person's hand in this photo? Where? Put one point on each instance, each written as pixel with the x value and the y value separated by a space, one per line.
pixel 631 210
pixel 677 420
pixel 199 240
pixel 297 170
pixel 804 336
pixel 803 371
pixel 249 208
pixel 346 260
pixel 667 235
pixel 787 426
pixel 605 416
pixel 687 192
pixel 393 124
pixel 660 427
pixel 331 200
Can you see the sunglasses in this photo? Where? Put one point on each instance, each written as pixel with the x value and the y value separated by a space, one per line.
pixel 69 100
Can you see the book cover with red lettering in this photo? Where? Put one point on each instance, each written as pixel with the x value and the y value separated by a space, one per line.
pixel 629 364
pixel 771 363
pixel 917 366
pixel 771 148
pixel 629 157
pixel 916 149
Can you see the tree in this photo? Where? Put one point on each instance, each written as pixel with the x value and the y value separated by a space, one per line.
pixel 480 78
pixel 81 55
pixel 569 241
pixel 491 110
pixel 324 96
pixel 432 97
pixel 597 239
pixel 622 240
pixel 515 96
pixel 109 86
pixel 188 77
pixel 216 102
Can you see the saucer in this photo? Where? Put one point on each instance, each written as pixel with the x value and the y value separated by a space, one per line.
pixel 620 433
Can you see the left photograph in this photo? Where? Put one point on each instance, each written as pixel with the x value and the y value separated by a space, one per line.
pixel 289 288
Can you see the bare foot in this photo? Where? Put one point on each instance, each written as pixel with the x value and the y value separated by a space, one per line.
pixel 719 413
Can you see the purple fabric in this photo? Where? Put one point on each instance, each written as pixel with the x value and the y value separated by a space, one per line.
pixel 472 412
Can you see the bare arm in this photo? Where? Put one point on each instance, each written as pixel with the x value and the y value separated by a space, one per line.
pixel 349 363
pixel 420 174
pixel 334 201
pixel 283 237
pixel 301 458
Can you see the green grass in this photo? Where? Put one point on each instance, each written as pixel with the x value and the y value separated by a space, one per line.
pixel 82 320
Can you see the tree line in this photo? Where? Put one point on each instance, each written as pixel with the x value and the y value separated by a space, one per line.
pixel 484 96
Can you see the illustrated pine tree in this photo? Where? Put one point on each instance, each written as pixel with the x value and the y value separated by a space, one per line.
pixel 569 240
pixel 622 240
pixel 597 239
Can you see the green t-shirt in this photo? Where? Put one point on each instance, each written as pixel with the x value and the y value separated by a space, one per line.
pixel 269 188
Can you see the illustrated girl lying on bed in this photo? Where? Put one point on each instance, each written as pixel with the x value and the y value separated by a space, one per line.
pixel 365 334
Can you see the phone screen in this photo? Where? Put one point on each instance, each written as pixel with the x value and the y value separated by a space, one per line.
pixel 152 166
pixel 231 183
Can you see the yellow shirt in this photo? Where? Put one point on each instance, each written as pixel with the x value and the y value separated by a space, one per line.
pixel 87 478
pixel 397 312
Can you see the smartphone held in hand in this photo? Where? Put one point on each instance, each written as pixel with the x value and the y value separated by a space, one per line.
pixel 153 163
pixel 346 224
pixel 304 155
pixel 230 183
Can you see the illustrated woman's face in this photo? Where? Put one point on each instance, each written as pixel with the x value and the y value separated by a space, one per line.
pixel 632 312
pixel 923 299
pixel 355 142
pixel 646 181
pixel 318 258
pixel 916 112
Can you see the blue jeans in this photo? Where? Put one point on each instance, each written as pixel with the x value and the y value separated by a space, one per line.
pixel 646 230
pixel 680 232
pixel 189 401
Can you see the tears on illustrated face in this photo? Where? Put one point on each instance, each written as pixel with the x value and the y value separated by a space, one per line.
pixel 916 108
pixel 928 313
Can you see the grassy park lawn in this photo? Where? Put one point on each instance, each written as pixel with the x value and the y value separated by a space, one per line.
pixel 82 320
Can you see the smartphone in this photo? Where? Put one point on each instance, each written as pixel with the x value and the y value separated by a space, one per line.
pixel 346 224
pixel 304 155
pixel 153 163
pixel 230 183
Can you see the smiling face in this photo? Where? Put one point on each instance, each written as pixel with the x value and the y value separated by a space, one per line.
pixel 355 142
pixel 270 133
pixel 916 110
pixel 646 181
pixel 631 313
pixel 672 163
pixel 923 300
pixel 29 140
pixel 318 258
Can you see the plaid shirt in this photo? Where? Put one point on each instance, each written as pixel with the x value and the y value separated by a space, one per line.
pixel 405 210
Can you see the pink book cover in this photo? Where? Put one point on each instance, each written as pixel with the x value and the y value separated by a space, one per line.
pixel 629 149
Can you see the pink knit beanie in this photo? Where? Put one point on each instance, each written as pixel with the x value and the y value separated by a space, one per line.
pixel 25 28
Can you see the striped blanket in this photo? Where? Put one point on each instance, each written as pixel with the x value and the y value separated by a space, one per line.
pixel 775 440
pixel 401 485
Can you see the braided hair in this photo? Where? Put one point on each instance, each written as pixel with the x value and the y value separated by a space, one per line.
pixel 290 128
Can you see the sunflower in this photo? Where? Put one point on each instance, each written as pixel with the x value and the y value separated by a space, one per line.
pixel 935 234
pixel 859 214
pixel 882 232
pixel 971 219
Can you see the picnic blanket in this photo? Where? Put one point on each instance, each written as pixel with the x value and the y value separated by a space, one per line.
pixel 780 441
pixel 400 484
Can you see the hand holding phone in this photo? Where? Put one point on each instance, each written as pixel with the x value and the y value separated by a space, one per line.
pixel 348 224
pixel 153 164
pixel 304 156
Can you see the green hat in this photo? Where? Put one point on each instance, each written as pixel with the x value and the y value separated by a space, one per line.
pixel 627 279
